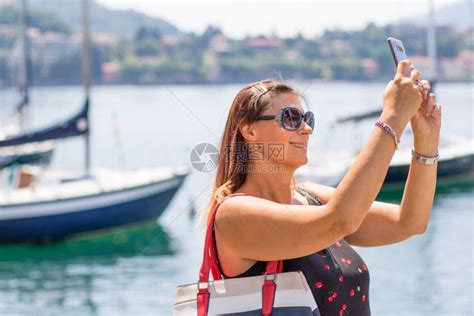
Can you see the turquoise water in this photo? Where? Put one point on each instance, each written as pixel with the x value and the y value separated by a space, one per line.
pixel 134 271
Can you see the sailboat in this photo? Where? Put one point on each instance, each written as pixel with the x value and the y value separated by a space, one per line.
pixel 63 204
pixel 455 167
pixel 28 152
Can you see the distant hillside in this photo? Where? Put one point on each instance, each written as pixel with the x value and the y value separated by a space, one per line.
pixel 121 23
pixel 45 21
pixel 459 14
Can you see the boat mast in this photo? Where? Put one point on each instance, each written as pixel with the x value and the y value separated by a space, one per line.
pixel 24 71
pixel 431 43
pixel 86 75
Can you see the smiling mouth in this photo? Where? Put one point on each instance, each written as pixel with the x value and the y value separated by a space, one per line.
pixel 298 145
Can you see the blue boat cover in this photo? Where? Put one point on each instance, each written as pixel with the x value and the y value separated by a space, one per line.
pixel 75 126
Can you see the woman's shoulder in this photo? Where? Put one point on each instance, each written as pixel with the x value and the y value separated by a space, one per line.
pixel 242 206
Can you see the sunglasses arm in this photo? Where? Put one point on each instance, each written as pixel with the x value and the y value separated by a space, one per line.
pixel 266 117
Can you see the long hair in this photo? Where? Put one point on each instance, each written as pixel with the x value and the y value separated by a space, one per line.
pixel 233 155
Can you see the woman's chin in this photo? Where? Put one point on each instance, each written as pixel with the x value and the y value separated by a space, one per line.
pixel 302 162
pixel 297 162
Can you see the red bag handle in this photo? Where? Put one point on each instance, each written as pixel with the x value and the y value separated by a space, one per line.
pixel 209 263
pixel 209 260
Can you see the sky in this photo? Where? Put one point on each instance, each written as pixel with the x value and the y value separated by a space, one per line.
pixel 238 18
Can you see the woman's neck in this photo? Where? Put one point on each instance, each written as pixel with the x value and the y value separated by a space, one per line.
pixel 274 186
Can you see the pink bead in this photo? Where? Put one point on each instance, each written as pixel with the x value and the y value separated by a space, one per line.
pixel 334 294
pixel 341 278
pixel 326 267
pixel 319 284
pixel 330 299
pixel 351 293
pixel 363 298
pixel 344 306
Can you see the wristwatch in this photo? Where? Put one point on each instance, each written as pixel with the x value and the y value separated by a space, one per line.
pixel 424 160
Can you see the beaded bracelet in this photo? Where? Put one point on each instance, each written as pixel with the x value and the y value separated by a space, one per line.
pixel 389 130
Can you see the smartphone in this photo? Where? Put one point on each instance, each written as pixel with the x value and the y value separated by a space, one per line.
pixel 398 50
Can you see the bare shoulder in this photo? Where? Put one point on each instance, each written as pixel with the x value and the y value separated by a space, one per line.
pixel 323 192
pixel 252 228
pixel 239 206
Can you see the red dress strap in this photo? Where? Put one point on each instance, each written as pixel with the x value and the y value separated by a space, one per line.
pixel 237 194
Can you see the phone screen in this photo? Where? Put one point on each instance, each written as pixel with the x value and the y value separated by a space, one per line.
pixel 397 49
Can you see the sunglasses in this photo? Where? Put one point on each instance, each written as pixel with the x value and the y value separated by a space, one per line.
pixel 290 118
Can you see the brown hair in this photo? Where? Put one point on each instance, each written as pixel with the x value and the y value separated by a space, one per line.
pixel 233 157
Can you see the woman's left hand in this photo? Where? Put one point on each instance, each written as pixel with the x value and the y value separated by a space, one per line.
pixel 426 124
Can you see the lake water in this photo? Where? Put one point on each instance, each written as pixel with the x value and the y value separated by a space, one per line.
pixel 135 272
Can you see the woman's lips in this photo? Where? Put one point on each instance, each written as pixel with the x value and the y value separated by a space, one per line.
pixel 298 145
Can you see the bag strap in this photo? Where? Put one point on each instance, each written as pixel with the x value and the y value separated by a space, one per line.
pixel 209 264
pixel 209 260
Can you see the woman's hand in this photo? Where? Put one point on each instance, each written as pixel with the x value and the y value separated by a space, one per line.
pixel 402 97
pixel 426 124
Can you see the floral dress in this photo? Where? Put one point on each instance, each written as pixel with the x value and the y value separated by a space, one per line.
pixel 337 275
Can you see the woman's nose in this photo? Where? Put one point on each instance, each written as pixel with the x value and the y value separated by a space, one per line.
pixel 305 128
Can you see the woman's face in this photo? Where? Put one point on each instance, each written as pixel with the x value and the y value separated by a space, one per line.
pixel 282 146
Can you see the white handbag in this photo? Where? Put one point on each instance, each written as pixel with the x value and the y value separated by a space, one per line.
pixel 274 293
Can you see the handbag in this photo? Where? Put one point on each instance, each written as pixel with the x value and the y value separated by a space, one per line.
pixel 273 293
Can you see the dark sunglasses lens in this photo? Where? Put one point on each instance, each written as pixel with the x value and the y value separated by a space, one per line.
pixel 291 119
pixel 309 119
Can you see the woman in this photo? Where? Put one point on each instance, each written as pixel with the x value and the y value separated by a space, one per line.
pixel 310 226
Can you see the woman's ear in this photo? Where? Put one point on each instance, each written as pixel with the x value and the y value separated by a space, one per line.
pixel 248 132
